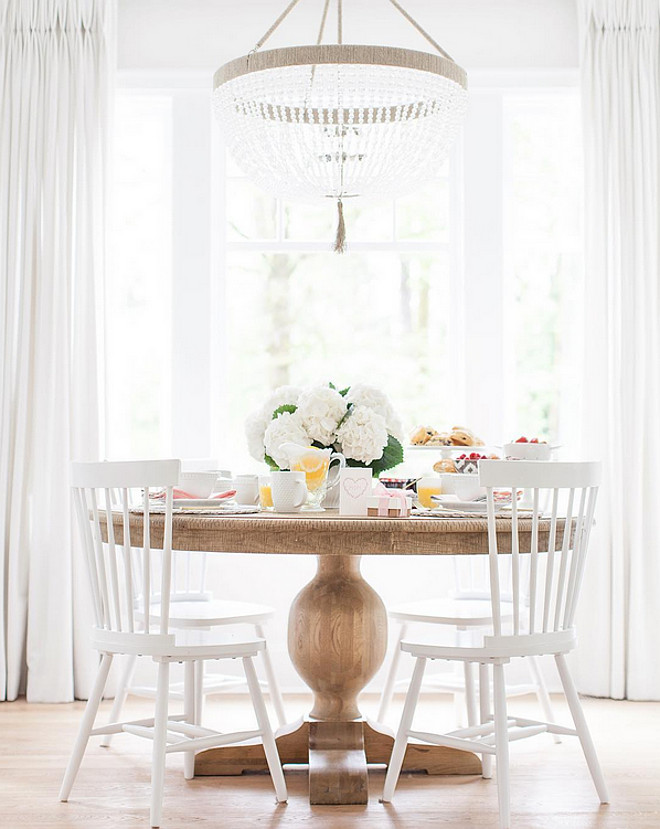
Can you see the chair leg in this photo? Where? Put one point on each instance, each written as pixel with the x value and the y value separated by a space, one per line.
pixel 501 746
pixel 267 736
pixel 581 726
pixel 390 681
pixel 401 741
pixel 470 693
pixel 484 711
pixel 86 726
pixel 160 744
pixel 189 711
pixel 199 691
pixel 120 695
pixel 273 685
pixel 542 692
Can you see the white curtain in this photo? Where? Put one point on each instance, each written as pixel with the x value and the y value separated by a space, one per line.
pixel 620 614
pixel 54 71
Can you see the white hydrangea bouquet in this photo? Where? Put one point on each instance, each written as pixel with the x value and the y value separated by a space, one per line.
pixel 358 421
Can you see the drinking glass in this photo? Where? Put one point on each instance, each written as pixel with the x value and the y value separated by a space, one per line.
pixel 315 463
pixel 426 487
pixel 265 493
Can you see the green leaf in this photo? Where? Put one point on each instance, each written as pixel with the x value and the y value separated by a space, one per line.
pixel 332 386
pixel 287 407
pixel 392 456
pixel 345 391
pixel 270 462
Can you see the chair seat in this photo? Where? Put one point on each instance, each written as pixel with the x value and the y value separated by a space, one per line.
pixel 208 614
pixel 459 612
pixel 500 648
pixel 164 647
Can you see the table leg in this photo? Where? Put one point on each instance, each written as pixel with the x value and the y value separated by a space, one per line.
pixel 337 642
pixel 337 636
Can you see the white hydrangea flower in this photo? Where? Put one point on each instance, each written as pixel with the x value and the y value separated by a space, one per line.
pixel 363 435
pixel 286 428
pixel 282 396
pixel 321 408
pixel 394 426
pixel 255 427
pixel 366 395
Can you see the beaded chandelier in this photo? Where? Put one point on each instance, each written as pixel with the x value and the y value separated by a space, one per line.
pixel 338 121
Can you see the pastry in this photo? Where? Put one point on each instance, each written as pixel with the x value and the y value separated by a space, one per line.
pixel 462 437
pixel 422 435
pixel 445 465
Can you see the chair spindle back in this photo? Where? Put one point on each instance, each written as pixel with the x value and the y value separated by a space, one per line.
pixel 544 589
pixel 101 492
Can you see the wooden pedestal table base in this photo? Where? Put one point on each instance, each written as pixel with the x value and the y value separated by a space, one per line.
pixel 337 642
pixel 336 780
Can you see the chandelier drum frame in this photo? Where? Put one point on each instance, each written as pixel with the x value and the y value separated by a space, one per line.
pixel 339 54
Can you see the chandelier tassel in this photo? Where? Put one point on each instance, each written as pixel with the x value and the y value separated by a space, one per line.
pixel 340 241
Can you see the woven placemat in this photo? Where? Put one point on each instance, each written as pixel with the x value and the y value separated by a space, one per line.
pixel 228 509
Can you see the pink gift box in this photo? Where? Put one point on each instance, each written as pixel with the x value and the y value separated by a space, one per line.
pixel 389 506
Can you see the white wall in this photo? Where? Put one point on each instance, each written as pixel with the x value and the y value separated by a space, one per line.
pixel 202 34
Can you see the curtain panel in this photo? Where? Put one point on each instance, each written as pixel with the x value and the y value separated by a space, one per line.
pixel 55 60
pixel 620 76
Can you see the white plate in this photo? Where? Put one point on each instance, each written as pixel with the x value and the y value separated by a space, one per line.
pixel 467 449
pixel 202 503
pixel 453 504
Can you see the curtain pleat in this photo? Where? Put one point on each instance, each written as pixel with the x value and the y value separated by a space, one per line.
pixel 620 614
pixel 55 68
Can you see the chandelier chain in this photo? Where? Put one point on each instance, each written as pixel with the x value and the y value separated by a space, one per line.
pixel 340 22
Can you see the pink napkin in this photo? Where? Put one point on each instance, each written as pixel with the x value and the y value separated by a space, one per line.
pixel 180 493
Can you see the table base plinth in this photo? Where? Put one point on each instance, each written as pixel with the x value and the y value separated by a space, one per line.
pixel 337 754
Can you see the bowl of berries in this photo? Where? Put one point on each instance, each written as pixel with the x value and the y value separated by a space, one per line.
pixel 468 463
pixel 528 450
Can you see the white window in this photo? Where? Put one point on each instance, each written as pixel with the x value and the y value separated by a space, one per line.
pixel 460 301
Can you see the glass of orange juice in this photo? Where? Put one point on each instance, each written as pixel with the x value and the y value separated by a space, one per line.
pixel 426 487
pixel 265 493
pixel 315 463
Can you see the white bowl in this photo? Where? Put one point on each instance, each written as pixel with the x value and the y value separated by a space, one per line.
pixel 528 451
pixel 464 486
pixel 198 484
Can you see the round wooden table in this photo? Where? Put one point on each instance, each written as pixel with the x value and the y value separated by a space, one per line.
pixel 337 632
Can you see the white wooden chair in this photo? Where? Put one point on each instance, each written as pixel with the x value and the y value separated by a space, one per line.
pixel 117 629
pixel 468 611
pixel 544 626
pixel 194 609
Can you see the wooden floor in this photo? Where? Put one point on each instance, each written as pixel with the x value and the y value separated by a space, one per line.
pixel 550 785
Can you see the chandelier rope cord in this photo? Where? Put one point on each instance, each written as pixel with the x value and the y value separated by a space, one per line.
pixel 420 29
pixel 291 6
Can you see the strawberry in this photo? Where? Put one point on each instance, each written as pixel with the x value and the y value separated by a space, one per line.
pixel 534 440
pixel 522 440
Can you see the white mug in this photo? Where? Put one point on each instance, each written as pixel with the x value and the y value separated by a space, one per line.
pixel 247 489
pixel 289 490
